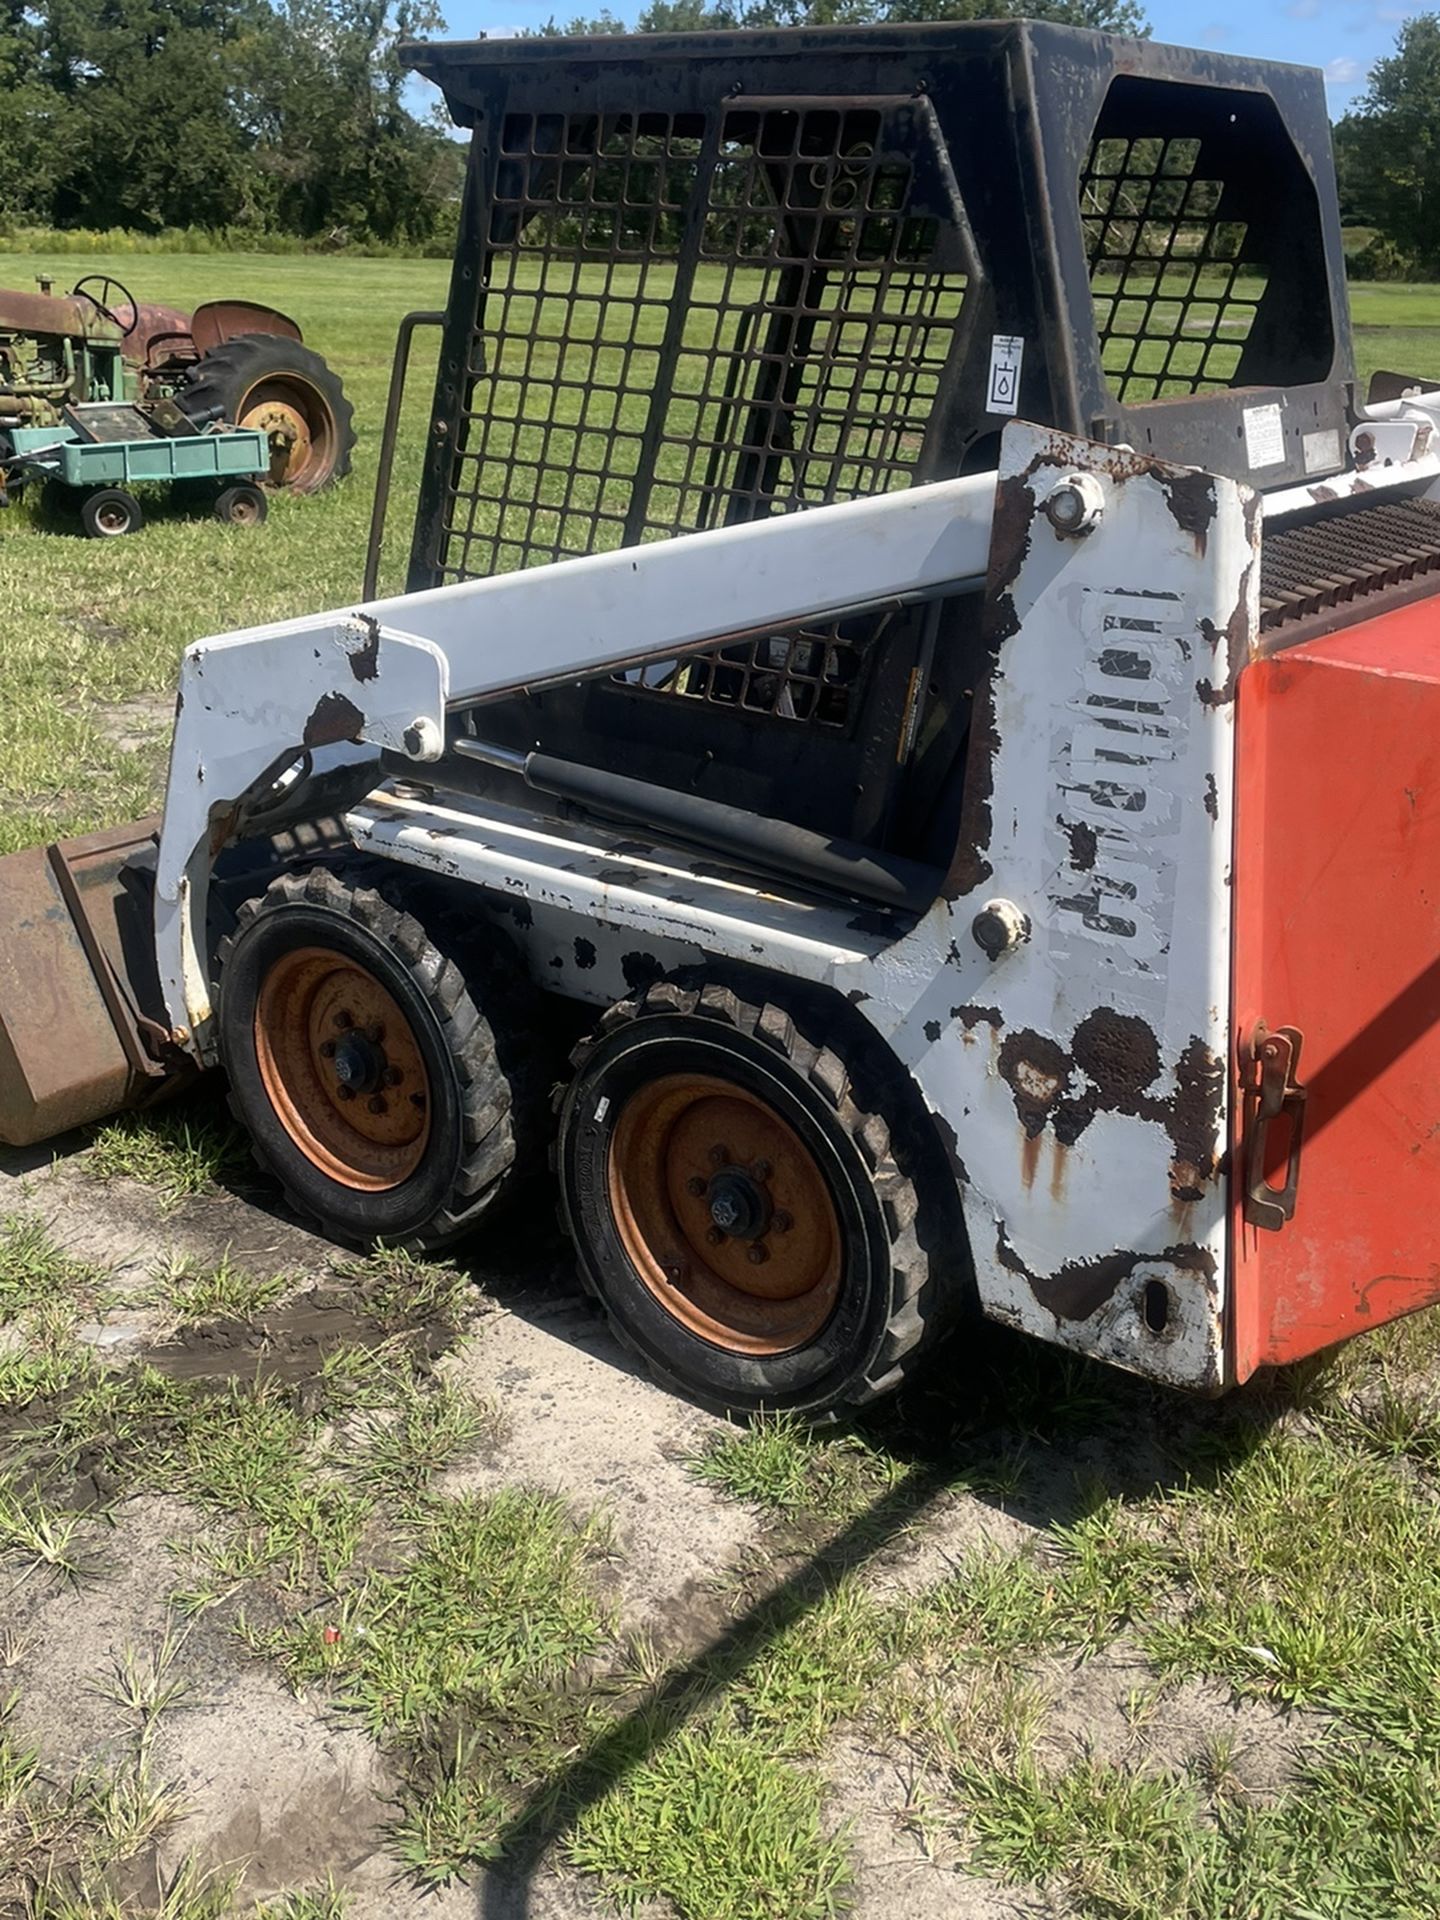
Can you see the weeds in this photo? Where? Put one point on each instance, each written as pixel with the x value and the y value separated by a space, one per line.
pixel 224 1291
pixel 179 1152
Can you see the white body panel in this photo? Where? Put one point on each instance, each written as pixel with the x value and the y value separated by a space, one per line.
pixel 1078 1079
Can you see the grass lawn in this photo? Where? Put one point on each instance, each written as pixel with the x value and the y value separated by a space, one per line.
pixel 1108 1653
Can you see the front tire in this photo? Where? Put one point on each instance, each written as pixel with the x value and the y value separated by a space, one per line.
pixel 378 1064
pixel 742 1216
pixel 109 513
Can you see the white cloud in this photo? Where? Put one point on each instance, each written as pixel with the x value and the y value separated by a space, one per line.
pixel 1343 71
pixel 1303 9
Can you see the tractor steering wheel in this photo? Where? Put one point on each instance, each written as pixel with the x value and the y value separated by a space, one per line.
pixel 108 284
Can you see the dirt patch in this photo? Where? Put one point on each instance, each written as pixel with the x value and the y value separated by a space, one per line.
pixel 133 725
pixel 581 1422
pixel 1108 1707
pixel 901 1872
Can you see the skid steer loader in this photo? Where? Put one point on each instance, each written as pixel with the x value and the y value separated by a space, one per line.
pixel 915 711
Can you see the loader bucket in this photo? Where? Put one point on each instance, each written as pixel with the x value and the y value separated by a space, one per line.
pixel 82 1026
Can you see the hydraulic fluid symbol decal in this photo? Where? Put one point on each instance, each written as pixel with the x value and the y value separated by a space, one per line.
pixel 1007 350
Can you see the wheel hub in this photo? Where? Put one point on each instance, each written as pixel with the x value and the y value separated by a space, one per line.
pixel 343 1068
pixel 739 1205
pixel 725 1213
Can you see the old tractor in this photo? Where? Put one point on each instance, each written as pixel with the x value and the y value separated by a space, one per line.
pixel 1004 886
pixel 234 360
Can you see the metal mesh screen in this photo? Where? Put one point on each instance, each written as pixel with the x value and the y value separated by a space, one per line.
pixel 687 323
pixel 1174 301
pixel 811 674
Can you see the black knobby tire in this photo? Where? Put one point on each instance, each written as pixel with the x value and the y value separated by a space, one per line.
pixel 251 372
pixel 470 1012
pixel 904 1275
pixel 109 513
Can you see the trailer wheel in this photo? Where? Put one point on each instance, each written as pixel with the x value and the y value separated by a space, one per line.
pixel 241 506
pixel 109 513
pixel 751 1227
pixel 287 392
pixel 382 1067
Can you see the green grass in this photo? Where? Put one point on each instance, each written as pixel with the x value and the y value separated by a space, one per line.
pixel 224 1291
pixel 179 1151
pixel 35 1273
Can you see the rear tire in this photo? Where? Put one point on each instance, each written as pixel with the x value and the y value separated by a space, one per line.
pixel 829 1276
pixel 382 1067
pixel 287 391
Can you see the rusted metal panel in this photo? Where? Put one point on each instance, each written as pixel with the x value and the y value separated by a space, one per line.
pixel 217 321
pixel 1082 1070
pixel 1337 932
pixel 76 984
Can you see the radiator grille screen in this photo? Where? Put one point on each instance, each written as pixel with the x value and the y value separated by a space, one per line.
pixel 688 323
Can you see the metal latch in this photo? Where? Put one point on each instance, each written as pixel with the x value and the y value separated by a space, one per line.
pixel 1269 1062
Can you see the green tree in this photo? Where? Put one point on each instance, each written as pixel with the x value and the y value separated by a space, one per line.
pixel 684 16
pixel 1388 147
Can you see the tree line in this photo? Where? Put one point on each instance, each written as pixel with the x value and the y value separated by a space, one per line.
pixel 237 115
pixel 1387 155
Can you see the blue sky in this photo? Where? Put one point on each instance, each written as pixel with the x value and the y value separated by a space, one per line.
pixel 1343 36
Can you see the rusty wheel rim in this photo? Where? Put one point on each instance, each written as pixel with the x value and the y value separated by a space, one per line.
pixel 343 1069
pixel 724 1213
pixel 299 425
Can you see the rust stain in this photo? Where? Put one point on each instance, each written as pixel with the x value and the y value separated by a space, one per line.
pixel 1037 1072
pixel 1119 1053
pixel 335 718
pixel 365 659
pixel 1191 499
pixel 1194 1120
pixel 1082 1287
pixel 970 1016
pixel 1029 1159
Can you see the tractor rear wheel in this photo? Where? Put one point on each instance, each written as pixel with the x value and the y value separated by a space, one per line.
pixel 752 1227
pixel 286 391
pixel 383 1068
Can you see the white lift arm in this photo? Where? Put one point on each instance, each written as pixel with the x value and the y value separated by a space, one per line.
pixel 383 674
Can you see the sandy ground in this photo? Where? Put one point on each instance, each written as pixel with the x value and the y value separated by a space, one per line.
pixel 276 1783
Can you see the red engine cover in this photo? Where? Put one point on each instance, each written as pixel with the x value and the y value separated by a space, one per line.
pixel 1337 934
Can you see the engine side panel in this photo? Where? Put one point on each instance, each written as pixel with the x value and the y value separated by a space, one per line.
pixel 1337 935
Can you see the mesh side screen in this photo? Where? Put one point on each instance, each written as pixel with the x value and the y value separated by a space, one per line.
pixel 811 674
pixel 1175 297
pixel 686 325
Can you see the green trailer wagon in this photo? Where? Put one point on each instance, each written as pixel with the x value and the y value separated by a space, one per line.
pixel 97 455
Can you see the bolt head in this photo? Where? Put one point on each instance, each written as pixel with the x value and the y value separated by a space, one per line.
pixel 695 1186
pixel 378 1103
pixel 781 1221
pixel 345 1093
pixel 1075 504
pixel 375 1033
pixel 719 1156
pixel 758 1255
pixel 999 927
pixel 762 1170
pixel 327 1049
pixel 343 1020
pixel 393 1076
pixel 714 1236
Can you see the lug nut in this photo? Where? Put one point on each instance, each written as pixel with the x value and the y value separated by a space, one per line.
pixel 674 1272
pixel 695 1185
pixel 375 1033
pixel 781 1221
pixel 714 1236
pixel 345 1093
pixel 719 1156
pixel 393 1076
pixel 761 1170
pixel 758 1255
pixel 327 1049
pixel 379 1104
pixel 344 1020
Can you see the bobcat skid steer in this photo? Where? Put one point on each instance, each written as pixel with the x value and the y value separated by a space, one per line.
pixel 916 711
